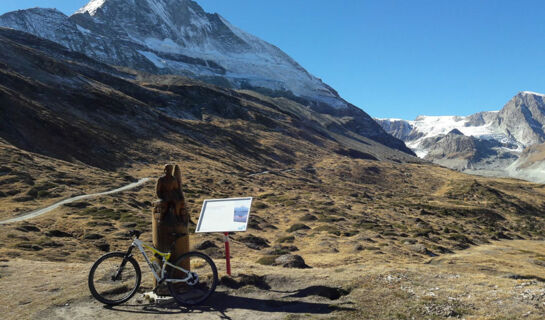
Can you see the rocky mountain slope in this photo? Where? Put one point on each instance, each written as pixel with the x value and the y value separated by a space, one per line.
pixel 179 37
pixel 531 164
pixel 65 105
pixel 166 36
pixel 493 140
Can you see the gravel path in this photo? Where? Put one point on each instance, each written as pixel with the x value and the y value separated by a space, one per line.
pixel 40 212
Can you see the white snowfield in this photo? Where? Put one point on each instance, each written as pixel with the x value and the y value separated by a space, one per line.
pixel 52 207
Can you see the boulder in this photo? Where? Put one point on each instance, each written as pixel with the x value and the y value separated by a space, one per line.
pixel 205 245
pixel 58 234
pixel 254 242
pixel 28 228
pixel 291 261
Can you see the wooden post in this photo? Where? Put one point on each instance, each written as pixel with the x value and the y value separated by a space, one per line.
pixel 164 229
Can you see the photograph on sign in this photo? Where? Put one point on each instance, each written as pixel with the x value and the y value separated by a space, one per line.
pixel 224 215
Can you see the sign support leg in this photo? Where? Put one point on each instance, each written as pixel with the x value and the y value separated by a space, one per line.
pixel 227 253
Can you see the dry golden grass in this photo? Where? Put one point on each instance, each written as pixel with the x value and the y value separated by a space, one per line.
pixel 392 234
pixel 30 181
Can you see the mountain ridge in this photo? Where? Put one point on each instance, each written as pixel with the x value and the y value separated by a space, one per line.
pixel 499 137
pixel 65 105
pixel 190 32
pixel 191 43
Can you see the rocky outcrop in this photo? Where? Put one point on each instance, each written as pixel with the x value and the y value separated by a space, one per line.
pixel 461 152
pixel 523 118
pixel 531 164
pixel 65 105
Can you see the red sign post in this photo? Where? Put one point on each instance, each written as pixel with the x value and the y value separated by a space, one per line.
pixel 225 216
pixel 227 253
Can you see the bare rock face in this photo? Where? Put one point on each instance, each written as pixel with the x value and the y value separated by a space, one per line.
pixel 400 129
pixel 291 261
pixel 457 151
pixel 524 118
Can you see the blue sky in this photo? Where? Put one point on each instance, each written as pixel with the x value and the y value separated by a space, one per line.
pixel 397 58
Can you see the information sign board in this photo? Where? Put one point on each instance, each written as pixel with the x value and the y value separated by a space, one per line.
pixel 224 215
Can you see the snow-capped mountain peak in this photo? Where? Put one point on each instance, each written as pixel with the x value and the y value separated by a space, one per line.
pixel 532 93
pixel 492 140
pixel 178 37
pixel 92 7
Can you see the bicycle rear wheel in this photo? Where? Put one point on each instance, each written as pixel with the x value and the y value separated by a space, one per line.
pixel 113 279
pixel 203 279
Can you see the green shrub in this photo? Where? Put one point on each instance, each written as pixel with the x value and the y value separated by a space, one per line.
pixel 308 217
pixel 298 226
pixel 350 233
pixel 267 260
pixel 331 219
pixel 459 237
pixel 43 193
pixel 41 189
pixel 288 239
pixel 260 205
pixel 330 229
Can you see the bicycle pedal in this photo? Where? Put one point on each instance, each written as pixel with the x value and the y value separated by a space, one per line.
pixel 151 296
pixel 161 292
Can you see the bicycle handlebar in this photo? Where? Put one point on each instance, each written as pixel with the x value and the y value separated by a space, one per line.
pixel 135 233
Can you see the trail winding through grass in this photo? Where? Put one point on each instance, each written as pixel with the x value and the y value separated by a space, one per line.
pixel 54 206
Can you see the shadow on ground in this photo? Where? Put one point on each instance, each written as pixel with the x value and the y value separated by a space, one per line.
pixel 221 302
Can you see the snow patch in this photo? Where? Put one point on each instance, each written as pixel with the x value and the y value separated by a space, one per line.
pixel 433 126
pixel 165 45
pixel 83 30
pixel 157 61
pixel 533 93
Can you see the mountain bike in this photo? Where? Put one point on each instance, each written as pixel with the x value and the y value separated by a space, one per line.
pixel 115 277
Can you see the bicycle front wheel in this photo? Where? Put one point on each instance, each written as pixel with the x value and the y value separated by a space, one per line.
pixel 202 282
pixel 113 279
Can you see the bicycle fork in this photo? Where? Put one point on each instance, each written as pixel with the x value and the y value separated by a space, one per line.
pixel 117 275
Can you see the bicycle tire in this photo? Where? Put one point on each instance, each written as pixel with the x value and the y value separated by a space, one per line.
pixel 205 268
pixel 101 295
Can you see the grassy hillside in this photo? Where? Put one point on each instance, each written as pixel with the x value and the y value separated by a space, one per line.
pixel 393 236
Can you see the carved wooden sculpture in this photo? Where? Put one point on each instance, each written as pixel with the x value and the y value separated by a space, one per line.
pixel 170 215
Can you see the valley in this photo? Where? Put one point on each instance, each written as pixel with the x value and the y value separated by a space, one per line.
pixel 96 101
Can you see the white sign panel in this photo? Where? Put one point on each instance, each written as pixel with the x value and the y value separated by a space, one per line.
pixel 224 215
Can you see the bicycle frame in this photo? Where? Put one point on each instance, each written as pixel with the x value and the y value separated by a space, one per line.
pixel 165 257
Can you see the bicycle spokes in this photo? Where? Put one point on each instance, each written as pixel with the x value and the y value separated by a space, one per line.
pixel 199 279
pixel 113 279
